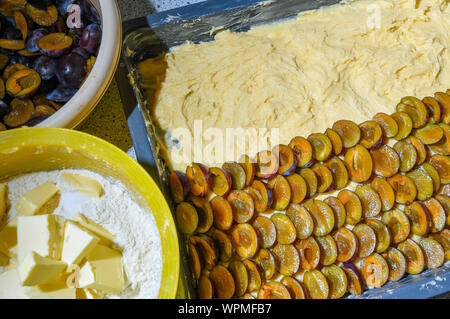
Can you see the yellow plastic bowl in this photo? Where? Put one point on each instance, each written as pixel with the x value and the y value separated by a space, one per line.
pixel 28 150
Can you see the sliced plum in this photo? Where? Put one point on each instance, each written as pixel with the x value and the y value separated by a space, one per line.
pixel 274 290
pixel 288 259
pixel 223 213
pixel 266 259
pixel 398 224
pixel 286 159
pixel 404 123
pixel 220 181
pixel 14 45
pixel 205 288
pixel 321 146
pixel 187 218
pixel 338 171
pixel 179 186
pixel 240 276
pixel 261 195
pixel 386 161
pixel 371 134
pixel 434 109
pixel 385 191
pixel 336 141
pixel 311 181
pixel 322 215
pixel 338 210
pixel 433 252
pixel 420 148
pixel 267 164
pixel 416 110
pixel 328 250
pixel 242 206
pixel 302 150
pixel 444 101
pixel 355 283
pixel 206 248
pixel 415 259
pixel 281 193
pixel 419 217
pixel 20 112
pixel 255 275
pixel 298 188
pixel 266 228
pixel 404 188
pixel 195 261
pixel 396 262
pixel 359 163
pixel 205 214
pixel 429 134
pixel 445 202
pixel 367 240
pixel 370 200
pixel 424 183
pixel 198 175
pixel 443 146
pixel 309 253
pixel 316 284
pixel 237 174
pixel 23 83
pixel 324 177
pixel 375 270
pixel 223 282
pixel 223 243
pixel 249 167
pixel 407 154
pixel 337 281
pixel 346 243
pixel 382 234
pixel 443 238
pixel 302 220
pixel 55 44
pixel 348 131
pixel 442 164
pixel 245 240
pixel 352 204
pixel 437 212
pixel 295 287
pixel 388 125
pixel 45 18
pixel 286 232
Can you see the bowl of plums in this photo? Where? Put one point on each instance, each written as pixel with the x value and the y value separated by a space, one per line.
pixel 56 59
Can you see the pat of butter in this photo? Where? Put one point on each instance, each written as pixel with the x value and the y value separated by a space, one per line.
pixel 84 184
pixel 42 200
pixel 89 294
pixel 4 202
pixel 103 270
pixel 57 289
pixel 10 287
pixel 77 243
pixel 106 238
pixel 35 269
pixel 42 234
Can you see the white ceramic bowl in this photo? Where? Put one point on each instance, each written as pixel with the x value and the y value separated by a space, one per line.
pixel 95 86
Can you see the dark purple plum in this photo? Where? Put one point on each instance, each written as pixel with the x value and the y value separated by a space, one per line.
pixel 71 70
pixel 91 37
pixel 36 120
pixel 45 66
pixel 4 109
pixel 62 6
pixel 48 85
pixel 82 52
pixel 40 4
pixel 61 94
pixel 89 11
pixel 32 44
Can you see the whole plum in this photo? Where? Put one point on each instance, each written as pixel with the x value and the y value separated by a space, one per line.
pixel 71 70
pixel 45 66
pixel 91 37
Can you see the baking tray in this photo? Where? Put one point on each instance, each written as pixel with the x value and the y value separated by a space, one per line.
pixel 154 34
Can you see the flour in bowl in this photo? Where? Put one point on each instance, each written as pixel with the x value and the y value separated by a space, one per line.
pixel 137 235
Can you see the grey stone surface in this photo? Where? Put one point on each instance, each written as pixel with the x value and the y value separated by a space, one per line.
pixel 136 8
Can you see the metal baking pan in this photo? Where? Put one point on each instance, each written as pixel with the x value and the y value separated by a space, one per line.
pixel 154 34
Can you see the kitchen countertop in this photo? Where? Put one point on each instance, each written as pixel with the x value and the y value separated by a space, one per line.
pixel 108 120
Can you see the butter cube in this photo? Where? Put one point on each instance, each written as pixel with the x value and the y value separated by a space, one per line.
pixel 84 184
pixel 106 238
pixel 42 200
pixel 57 289
pixel 10 286
pixel 88 294
pixel 103 270
pixel 4 202
pixel 35 269
pixel 42 234
pixel 77 244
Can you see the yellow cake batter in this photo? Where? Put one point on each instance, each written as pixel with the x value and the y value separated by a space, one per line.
pixel 301 75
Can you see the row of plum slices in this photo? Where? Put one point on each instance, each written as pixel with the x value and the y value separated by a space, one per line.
pixel 258 227
pixel 43 61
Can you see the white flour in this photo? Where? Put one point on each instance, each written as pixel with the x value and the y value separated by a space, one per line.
pixel 135 229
